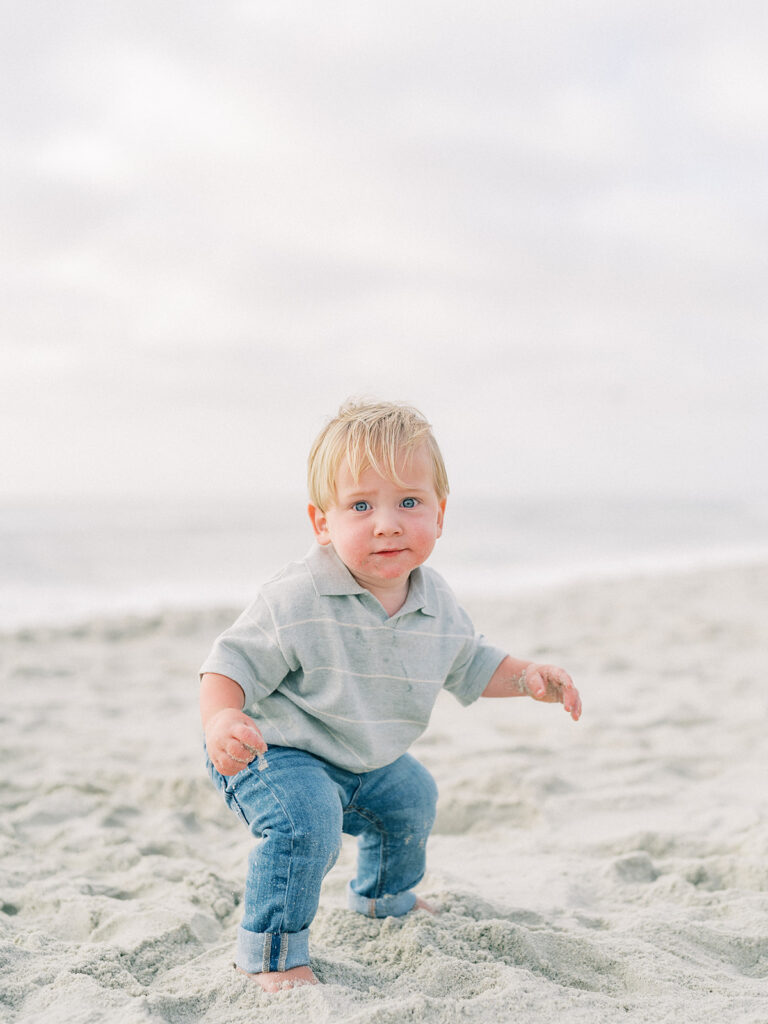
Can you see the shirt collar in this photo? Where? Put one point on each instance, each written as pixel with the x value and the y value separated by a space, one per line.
pixel 333 579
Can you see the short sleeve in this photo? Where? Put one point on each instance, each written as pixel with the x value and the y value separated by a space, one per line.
pixel 250 653
pixel 473 667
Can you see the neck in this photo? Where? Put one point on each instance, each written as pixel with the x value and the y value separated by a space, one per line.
pixel 391 600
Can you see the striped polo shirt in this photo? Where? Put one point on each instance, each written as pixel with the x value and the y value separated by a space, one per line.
pixel 325 669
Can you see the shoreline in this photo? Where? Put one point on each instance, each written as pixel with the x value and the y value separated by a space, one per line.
pixel 65 562
pixel 473 586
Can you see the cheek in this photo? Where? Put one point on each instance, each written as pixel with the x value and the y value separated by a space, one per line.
pixel 352 540
pixel 426 533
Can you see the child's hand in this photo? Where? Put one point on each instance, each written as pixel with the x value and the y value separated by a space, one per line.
pixel 553 685
pixel 232 741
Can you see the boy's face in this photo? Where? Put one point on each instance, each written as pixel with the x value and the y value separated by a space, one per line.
pixel 380 530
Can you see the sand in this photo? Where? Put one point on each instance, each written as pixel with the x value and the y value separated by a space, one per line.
pixel 610 870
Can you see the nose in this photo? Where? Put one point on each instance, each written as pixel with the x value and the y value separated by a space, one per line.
pixel 387 523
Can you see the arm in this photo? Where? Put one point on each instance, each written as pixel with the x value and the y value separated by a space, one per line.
pixel 231 738
pixel 515 678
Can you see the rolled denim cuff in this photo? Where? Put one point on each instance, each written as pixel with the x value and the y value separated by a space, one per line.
pixel 258 952
pixel 383 906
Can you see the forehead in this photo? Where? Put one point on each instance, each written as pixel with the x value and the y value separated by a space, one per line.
pixel 414 470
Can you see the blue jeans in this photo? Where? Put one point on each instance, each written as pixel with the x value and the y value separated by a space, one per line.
pixel 299 805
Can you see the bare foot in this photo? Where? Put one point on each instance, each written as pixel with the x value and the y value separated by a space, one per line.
pixel 277 981
pixel 421 904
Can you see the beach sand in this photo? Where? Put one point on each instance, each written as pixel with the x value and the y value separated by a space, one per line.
pixel 605 871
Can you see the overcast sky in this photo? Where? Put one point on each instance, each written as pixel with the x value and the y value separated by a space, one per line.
pixel 544 223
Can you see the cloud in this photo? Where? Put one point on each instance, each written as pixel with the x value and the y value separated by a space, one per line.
pixel 232 217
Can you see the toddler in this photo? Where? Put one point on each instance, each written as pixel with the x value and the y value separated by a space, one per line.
pixel 312 698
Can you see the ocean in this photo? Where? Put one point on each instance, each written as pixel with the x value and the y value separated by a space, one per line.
pixel 66 561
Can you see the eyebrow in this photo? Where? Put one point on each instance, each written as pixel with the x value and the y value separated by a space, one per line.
pixel 351 495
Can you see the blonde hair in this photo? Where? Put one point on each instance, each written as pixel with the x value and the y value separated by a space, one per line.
pixel 374 434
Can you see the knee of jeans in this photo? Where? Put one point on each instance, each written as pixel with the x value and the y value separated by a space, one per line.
pixel 310 834
pixel 314 851
pixel 320 841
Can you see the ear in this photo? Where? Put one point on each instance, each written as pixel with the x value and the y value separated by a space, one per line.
pixel 319 524
pixel 440 516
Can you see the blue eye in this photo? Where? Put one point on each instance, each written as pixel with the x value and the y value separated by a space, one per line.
pixel 361 506
pixel 409 502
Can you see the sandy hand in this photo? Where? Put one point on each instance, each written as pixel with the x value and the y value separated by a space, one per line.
pixel 553 685
pixel 232 740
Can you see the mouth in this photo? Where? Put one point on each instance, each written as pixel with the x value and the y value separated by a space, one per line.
pixel 389 551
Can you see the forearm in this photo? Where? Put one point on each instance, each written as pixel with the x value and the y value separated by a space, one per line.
pixel 219 692
pixel 508 680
